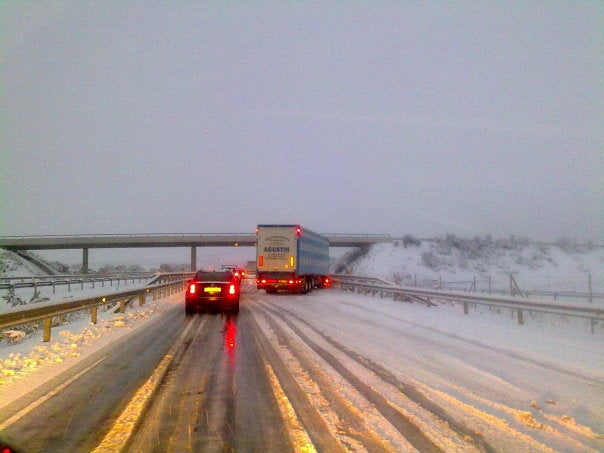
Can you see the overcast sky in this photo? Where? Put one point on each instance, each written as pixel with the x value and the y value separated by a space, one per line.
pixel 396 117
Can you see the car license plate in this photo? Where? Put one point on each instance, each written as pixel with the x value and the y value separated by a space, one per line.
pixel 211 289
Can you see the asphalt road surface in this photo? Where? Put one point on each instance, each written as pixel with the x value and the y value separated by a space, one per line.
pixel 316 372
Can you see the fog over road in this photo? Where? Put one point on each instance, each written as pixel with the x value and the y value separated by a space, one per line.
pixel 326 371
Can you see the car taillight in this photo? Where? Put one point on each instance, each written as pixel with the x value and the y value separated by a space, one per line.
pixel 192 288
pixel 232 289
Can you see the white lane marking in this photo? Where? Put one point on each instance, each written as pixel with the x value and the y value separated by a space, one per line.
pixel 123 427
pixel 44 398
pixel 298 435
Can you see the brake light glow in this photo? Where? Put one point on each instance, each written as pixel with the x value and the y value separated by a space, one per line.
pixel 232 289
pixel 298 231
pixel 192 288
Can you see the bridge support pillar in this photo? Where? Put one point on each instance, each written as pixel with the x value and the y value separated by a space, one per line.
pixel 84 260
pixel 193 258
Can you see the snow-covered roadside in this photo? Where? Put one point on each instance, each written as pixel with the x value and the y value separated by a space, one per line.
pixel 543 377
pixel 561 341
pixel 30 363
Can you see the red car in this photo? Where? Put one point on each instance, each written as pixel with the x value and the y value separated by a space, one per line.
pixel 213 291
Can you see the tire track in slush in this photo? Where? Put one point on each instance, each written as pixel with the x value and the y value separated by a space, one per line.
pixel 310 418
pixel 352 422
pixel 406 389
pixel 414 435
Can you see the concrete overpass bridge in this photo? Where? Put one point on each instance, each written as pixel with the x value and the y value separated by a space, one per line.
pixel 191 240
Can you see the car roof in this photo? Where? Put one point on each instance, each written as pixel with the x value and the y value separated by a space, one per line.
pixel 214 275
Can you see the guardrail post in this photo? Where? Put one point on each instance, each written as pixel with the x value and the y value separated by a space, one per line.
pixel 590 298
pixel 47 324
pixel 465 308
pixel 94 311
pixel 122 306
pixel 142 299
pixel 520 317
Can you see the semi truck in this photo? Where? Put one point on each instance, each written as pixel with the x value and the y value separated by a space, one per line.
pixel 291 258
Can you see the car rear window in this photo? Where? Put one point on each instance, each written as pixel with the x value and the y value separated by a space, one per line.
pixel 214 276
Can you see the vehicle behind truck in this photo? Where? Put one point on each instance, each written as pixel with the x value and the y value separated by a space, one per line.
pixel 291 258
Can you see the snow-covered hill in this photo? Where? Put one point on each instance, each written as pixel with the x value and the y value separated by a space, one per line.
pixel 12 265
pixel 455 262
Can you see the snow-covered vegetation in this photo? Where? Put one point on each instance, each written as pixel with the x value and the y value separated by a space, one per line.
pixel 452 261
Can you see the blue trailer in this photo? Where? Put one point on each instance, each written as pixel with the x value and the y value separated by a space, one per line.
pixel 291 258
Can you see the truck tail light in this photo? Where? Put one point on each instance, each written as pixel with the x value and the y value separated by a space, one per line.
pixel 232 289
pixel 291 261
pixel 261 260
pixel 192 288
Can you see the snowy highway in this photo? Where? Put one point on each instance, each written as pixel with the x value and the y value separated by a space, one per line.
pixel 326 371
